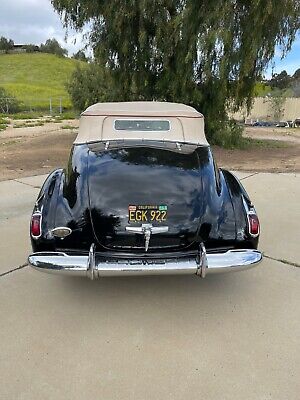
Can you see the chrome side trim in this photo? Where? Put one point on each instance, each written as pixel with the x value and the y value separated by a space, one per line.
pixel 97 266
pixel 91 262
pixel 203 260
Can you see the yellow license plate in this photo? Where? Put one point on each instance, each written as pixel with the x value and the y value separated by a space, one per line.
pixel 147 213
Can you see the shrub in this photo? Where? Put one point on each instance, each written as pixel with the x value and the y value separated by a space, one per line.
pixel 227 134
pixel 53 47
pixel 8 103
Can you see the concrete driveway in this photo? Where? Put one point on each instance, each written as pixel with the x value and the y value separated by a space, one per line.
pixel 233 336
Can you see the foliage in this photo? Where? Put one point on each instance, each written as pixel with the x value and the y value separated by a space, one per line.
pixel 228 134
pixel 27 115
pixel 80 55
pixel 29 124
pixel 283 81
pixel 280 81
pixel 8 103
pixel 277 100
pixel 90 84
pixel 206 54
pixel 6 44
pixel 296 74
pixel 34 78
pixel 261 89
pixel 66 115
pixel 3 123
pixel 296 87
pixel 31 48
pixel 67 126
pixel 52 46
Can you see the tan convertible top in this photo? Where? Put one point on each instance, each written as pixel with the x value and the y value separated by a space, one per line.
pixel 100 121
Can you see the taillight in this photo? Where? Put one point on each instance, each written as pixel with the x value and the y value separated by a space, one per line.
pixel 253 223
pixel 35 225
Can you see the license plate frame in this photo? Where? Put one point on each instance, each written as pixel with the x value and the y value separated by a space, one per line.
pixel 142 213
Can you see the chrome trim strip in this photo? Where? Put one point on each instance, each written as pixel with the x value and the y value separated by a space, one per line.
pixel 95 267
pixel 202 261
pixel 91 262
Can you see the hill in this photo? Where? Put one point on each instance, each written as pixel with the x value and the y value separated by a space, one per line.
pixel 34 77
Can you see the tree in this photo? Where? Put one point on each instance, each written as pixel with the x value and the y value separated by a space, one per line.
pixel 6 44
pixel 53 47
pixel 280 81
pixel 80 55
pixel 276 101
pixel 296 87
pixel 31 48
pixel 90 84
pixel 206 54
pixel 296 74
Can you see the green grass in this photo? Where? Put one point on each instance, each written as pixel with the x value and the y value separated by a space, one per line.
pixel 33 78
pixel 29 115
pixel 28 124
pixel 67 115
pixel 3 123
pixel 38 114
pixel 67 127
pixel 263 143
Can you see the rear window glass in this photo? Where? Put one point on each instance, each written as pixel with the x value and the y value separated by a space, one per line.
pixel 141 125
pixel 151 157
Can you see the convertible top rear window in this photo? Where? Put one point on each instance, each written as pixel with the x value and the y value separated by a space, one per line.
pixel 142 125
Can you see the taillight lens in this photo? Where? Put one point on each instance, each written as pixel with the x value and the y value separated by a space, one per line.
pixel 35 226
pixel 253 224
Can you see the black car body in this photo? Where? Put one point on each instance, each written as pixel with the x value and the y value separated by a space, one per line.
pixel 139 203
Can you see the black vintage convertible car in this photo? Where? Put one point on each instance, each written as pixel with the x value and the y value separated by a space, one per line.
pixel 142 195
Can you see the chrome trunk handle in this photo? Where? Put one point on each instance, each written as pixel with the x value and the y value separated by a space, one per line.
pixel 147 230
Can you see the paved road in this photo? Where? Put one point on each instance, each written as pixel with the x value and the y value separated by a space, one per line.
pixel 233 336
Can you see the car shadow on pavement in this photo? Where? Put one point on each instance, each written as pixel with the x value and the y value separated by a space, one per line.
pixel 156 295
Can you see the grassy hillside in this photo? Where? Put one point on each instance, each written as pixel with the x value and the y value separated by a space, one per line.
pixel 33 78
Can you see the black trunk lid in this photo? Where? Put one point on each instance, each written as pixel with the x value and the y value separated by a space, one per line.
pixel 164 180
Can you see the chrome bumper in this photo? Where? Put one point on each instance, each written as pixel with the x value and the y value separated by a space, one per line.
pixel 96 267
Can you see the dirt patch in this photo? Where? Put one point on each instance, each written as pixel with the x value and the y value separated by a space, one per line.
pixel 34 155
pixel 39 150
pixel 271 133
pixel 260 159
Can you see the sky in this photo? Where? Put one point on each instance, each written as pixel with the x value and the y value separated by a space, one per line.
pixel 290 63
pixel 35 21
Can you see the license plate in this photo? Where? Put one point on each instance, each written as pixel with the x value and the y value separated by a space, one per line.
pixel 147 213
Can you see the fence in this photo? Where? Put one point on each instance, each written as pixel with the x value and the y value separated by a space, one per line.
pixel 51 105
pixel 262 110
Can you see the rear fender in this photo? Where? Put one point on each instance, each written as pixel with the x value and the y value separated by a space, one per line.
pixel 46 206
pixel 72 207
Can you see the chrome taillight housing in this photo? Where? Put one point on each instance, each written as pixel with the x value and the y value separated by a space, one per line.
pixel 253 223
pixel 36 225
pixel 252 220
